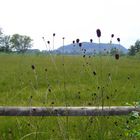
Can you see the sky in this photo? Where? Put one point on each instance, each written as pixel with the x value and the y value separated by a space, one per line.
pixel 71 19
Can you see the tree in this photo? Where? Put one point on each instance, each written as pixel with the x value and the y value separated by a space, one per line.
pixel 20 43
pixel 137 46
pixel 1 39
pixel 134 48
pixel 5 44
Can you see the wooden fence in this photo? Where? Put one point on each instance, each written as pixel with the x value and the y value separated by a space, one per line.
pixel 67 111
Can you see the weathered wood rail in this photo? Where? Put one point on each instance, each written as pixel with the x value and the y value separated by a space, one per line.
pixel 67 111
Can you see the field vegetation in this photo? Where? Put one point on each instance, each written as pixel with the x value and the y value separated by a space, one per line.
pixel 69 81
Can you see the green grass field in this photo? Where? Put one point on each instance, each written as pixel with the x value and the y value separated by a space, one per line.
pixel 71 81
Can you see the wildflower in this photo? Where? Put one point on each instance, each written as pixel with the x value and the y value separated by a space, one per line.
pixel 77 40
pixel 118 39
pixel 98 33
pixel 112 35
pixel 91 40
pixel 116 123
pixel 94 72
pixel 52 103
pixel 80 44
pixel 49 90
pixel 107 97
pixel 33 67
pixel 117 56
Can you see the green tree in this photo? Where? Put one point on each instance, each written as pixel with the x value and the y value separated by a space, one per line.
pixel 5 44
pixel 134 49
pixel 1 39
pixel 137 46
pixel 20 43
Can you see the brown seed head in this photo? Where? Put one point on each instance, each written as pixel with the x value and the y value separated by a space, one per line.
pixel 80 44
pixel 77 40
pixel 112 35
pixel 117 56
pixel 98 32
pixel 33 67
pixel 118 39
pixel 91 40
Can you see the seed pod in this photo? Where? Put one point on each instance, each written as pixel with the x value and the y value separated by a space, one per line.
pixel 98 32
pixel 80 44
pixel 112 35
pixel 33 67
pixel 53 34
pixel 94 73
pixel 91 40
pixel 77 40
pixel 118 39
pixel 117 56
pixel 73 41
pixel 48 42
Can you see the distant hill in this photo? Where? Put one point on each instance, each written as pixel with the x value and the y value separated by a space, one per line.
pixel 89 48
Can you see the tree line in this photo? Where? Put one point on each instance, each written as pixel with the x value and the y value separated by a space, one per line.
pixel 16 42
pixel 21 43
pixel 134 49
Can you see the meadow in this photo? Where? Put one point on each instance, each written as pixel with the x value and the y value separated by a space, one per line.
pixel 30 80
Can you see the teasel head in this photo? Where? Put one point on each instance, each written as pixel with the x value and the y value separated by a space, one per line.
pixel 91 40
pixel 73 42
pixel 48 42
pixel 33 67
pixel 53 34
pixel 80 44
pixel 77 40
pixel 63 38
pixel 117 56
pixel 112 35
pixel 98 32
pixel 118 39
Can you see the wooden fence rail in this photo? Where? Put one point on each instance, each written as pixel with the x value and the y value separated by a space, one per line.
pixel 67 111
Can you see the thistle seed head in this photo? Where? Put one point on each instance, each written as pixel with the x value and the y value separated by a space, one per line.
pixel 98 31
pixel 33 67
pixel 118 39
pixel 112 35
pixel 117 56
pixel 77 40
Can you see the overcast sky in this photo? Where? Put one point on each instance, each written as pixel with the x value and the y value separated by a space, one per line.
pixel 71 19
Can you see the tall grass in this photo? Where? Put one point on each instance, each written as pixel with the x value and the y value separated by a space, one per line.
pixel 45 85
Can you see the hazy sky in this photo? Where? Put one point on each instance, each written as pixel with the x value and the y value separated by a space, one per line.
pixel 71 19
